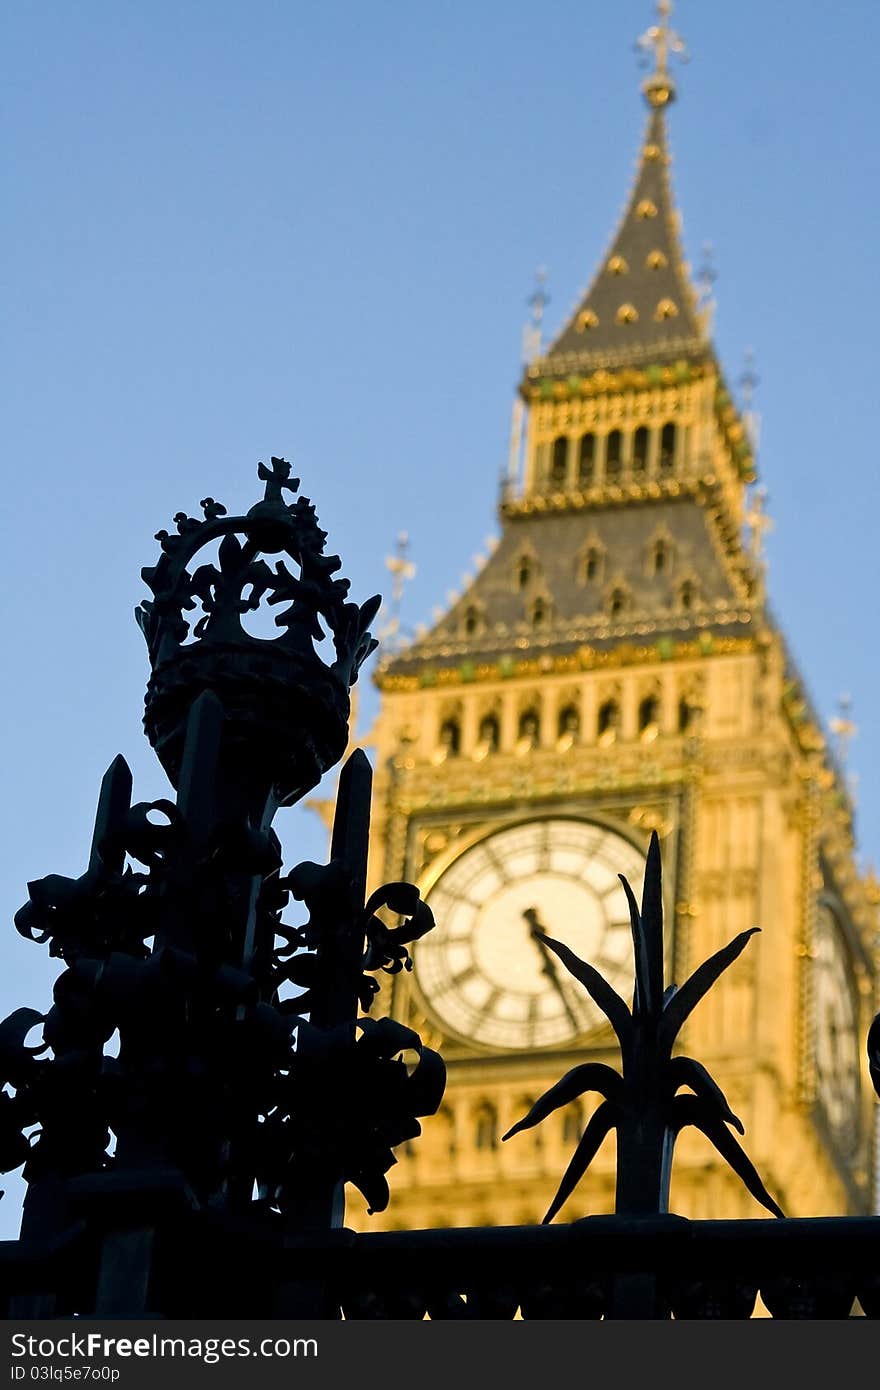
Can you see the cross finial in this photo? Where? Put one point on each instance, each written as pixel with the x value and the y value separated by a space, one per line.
pixel 277 479
pixel 659 88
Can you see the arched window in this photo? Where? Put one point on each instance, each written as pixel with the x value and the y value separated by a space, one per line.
pixel 450 737
pixel 485 1126
pixel 660 557
pixel 559 460
pixel 613 456
pixel 539 612
pixel 640 449
pixel 523 571
pixel 687 594
pixel 528 730
pixel 471 621
pixel 489 735
pixel 667 446
pixel 569 725
pixel 592 564
pixel 586 459
pixel 649 717
pixel 617 601
pixel 609 720
pixel 688 715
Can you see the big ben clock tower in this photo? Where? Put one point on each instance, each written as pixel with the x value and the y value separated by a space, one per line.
pixel 614 669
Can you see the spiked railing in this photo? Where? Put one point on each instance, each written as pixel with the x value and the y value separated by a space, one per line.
pixel 245 1082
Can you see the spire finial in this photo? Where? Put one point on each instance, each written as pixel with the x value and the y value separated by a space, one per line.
pixel 759 523
pixel 659 88
pixel 533 331
pixel 401 569
pixel 748 384
pixel 844 728
pixel 705 281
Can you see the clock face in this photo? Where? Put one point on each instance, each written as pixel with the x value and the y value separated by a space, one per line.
pixel 483 972
pixel 837 1034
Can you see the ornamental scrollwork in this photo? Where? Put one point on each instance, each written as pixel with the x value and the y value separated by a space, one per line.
pixel 194 1029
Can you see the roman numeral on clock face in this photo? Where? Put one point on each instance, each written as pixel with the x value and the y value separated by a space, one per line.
pixel 555 876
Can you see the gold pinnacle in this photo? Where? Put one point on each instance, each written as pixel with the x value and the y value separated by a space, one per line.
pixel 844 727
pixel 659 88
pixel 401 569
pixel 758 523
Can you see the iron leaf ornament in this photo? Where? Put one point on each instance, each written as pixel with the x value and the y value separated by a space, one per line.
pixel 642 1101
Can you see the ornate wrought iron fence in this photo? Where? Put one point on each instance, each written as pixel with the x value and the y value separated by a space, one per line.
pixel 200 1170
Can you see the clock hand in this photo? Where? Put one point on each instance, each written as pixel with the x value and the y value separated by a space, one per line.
pixel 548 964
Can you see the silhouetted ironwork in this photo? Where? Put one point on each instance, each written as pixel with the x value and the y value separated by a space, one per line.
pixel 244 1083
pixel 874 1053
pixel 208 1077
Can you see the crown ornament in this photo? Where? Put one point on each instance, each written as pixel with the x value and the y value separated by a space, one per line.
pixel 286 707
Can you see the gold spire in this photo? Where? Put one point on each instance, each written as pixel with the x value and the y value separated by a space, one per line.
pixel 659 88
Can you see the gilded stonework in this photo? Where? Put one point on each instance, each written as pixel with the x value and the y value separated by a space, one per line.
pixel 611 671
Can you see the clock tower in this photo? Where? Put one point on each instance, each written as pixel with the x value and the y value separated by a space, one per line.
pixel 613 669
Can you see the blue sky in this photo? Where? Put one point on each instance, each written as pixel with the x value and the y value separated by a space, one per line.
pixel 310 230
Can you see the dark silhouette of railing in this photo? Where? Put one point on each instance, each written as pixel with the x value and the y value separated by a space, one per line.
pixel 200 1170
